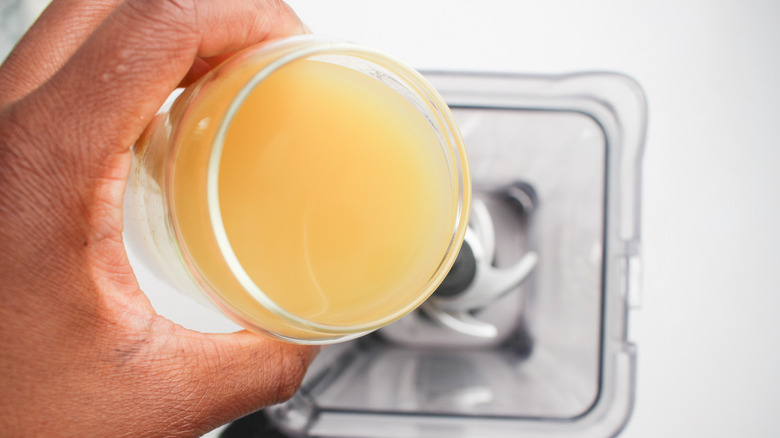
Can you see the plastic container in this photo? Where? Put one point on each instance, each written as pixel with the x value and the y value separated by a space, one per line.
pixel 560 363
pixel 179 192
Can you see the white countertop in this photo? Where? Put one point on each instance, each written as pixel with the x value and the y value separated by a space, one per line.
pixel 708 325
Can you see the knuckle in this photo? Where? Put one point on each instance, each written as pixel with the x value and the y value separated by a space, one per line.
pixel 20 154
pixel 13 130
pixel 158 10
pixel 155 19
pixel 279 12
pixel 32 159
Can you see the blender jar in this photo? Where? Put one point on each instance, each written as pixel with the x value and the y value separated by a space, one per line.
pixel 527 334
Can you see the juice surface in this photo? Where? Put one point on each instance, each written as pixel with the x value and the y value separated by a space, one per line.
pixel 334 193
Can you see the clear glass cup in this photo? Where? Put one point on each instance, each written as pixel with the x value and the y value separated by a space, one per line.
pixel 174 204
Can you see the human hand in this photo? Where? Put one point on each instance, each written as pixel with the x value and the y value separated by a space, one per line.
pixel 82 352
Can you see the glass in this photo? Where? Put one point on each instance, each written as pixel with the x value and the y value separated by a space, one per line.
pixel 212 207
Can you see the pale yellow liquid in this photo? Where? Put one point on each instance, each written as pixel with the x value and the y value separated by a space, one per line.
pixel 335 195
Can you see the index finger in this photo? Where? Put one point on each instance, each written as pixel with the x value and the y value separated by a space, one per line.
pixel 48 44
pixel 110 88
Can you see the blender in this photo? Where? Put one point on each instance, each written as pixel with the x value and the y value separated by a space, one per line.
pixel 527 334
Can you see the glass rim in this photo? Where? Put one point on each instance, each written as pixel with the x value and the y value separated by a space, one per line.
pixel 456 162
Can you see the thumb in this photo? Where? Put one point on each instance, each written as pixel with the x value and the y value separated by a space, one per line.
pixel 232 375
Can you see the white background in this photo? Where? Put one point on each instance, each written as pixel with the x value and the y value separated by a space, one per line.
pixel 707 331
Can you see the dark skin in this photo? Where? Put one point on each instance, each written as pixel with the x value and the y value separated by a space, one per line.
pixel 82 352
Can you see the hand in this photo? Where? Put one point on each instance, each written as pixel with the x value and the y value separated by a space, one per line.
pixel 82 352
